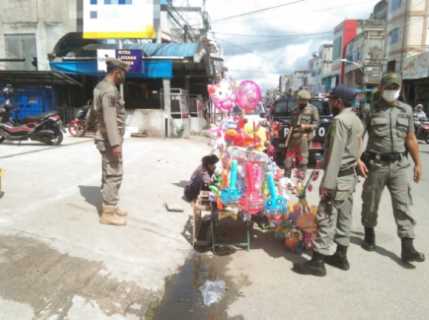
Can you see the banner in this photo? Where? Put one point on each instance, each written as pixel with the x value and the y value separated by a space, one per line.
pixel 118 19
pixel 131 57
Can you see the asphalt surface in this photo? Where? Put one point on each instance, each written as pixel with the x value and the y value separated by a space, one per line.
pixel 57 262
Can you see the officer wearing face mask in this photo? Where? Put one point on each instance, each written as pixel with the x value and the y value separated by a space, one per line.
pixel 110 117
pixel 391 137
pixel 304 120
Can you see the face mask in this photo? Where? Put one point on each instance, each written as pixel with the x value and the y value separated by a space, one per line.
pixel 391 95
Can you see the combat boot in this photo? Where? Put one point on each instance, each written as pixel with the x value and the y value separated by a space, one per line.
pixel 369 241
pixel 409 253
pixel 120 212
pixel 315 267
pixel 339 259
pixel 109 216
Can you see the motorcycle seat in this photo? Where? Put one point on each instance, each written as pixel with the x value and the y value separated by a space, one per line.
pixel 16 130
pixel 40 116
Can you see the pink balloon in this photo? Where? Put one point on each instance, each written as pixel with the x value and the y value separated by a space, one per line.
pixel 223 95
pixel 248 95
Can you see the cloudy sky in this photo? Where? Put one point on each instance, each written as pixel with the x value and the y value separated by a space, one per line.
pixel 264 45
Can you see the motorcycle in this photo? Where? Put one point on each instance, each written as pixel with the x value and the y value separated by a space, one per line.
pixel 82 122
pixel 46 128
pixel 422 129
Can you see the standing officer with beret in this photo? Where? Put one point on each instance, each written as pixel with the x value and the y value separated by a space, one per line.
pixel 110 115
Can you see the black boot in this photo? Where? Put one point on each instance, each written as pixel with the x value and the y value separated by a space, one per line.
pixel 409 253
pixel 315 267
pixel 339 259
pixel 369 241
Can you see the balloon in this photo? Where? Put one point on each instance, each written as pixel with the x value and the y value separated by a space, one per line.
pixel 223 95
pixel 248 95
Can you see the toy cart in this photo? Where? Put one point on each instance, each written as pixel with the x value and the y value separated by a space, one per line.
pixel 201 212
pixel 218 217
pixel 208 220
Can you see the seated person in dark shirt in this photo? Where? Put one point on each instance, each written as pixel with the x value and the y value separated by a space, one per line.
pixel 201 178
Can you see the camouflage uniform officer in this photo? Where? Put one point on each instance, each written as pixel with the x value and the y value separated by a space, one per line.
pixel 305 119
pixel 343 148
pixel 110 118
pixel 391 136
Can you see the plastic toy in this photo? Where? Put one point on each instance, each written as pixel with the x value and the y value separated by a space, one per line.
pixel 253 200
pixel 248 95
pixel 231 194
pixel 275 205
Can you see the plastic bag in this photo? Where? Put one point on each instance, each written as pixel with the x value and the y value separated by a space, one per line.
pixel 212 292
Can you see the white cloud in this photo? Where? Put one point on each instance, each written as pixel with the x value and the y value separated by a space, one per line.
pixel 252 44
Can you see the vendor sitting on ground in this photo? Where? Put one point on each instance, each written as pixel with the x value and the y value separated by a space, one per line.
pixel 201 178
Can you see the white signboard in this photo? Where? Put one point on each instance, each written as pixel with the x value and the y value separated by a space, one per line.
pixel 118 19
pixel 102 55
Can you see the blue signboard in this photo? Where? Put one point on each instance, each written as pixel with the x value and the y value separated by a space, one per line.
pixel 131 57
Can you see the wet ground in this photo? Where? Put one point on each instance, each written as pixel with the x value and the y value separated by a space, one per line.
pixel 183 298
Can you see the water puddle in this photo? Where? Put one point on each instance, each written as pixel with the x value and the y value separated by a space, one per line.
pixel 183 298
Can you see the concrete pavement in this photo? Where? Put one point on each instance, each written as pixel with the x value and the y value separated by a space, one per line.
pixel 58 262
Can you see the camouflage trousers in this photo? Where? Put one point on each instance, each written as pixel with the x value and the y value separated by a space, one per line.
pixel 394 176
pixel 112 175
pixel 334 216
pixel 297 154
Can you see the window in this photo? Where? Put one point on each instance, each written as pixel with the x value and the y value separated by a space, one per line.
pixel 395 5
pixel 394 36
pixel 21 46
pixel 94 2
pixel 337 54
pixel 93 14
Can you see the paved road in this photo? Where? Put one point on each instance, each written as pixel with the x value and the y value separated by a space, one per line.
pixel 57 262
pixel 377 286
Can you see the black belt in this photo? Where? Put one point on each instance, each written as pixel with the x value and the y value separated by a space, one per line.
pixel 347 172
pixel 387 157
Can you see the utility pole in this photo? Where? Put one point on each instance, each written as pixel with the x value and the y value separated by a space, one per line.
pixel 166 83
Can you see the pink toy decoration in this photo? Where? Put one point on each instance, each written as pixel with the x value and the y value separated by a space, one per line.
pixel 248 95
pixel 253 200
pixel 223 95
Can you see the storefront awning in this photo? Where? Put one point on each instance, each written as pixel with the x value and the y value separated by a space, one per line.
pixel 37 78
pixel 152 69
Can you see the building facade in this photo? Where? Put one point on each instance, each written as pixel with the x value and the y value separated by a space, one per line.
pixel 406 31
pixel 365 55
pixel 344 33
pixel 30 29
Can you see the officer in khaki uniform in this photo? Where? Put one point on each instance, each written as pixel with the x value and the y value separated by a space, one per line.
pixel 110 123
pixel 343 148
pixel 304 121
pixel 391 136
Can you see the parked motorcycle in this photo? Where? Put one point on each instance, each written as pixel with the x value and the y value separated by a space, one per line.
pixel 46 128
pixel 422 129
pixel 82 122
